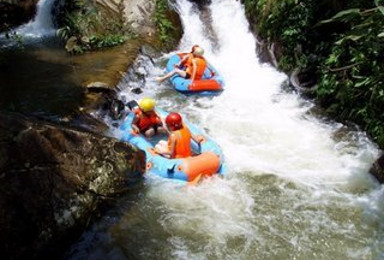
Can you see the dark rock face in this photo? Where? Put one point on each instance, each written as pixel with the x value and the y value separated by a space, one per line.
pixel 14 13
pixel 377 169
pixel 304 80
pixel 202 3
pixel 53 180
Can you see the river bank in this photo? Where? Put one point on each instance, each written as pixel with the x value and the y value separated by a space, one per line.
pixel 297 184
pixel 294 180
pixel 59 166
pixel 334 48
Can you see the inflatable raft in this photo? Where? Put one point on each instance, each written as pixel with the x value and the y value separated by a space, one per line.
pixel 207 161
pixel 210 84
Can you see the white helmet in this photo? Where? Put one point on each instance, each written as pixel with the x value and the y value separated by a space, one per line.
pixel 198 51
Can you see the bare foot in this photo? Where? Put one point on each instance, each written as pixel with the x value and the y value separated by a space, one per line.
pixel 159 79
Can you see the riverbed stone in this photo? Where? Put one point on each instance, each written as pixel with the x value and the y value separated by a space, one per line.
pixel 137 91
pixel 377 169
pixel 54 180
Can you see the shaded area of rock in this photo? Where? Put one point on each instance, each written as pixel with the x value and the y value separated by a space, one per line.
pixel 14 13
pixel 304 80
pixel 377 170
pixel 53 181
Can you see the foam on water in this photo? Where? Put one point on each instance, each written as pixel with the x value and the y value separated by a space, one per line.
pixel 40 26
pixel 293 190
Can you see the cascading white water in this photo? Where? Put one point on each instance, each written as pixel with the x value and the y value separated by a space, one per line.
pixel 42 24
pixel 260 128
pixel 293 190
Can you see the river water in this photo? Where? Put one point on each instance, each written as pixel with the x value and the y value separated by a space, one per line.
pixel 297 186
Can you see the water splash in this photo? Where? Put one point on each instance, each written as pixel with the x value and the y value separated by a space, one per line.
pixel 294 190
pixel 39 27
pixel 42 24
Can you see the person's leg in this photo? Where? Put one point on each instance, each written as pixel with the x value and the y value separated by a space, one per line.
pixel 150 132
pixel 162 147
pixel 161 130
pixel 182 73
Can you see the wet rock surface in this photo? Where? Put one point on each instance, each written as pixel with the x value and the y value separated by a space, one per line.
pixel 377 170
pixel 14 13
pixel 138 14
pixel 54 180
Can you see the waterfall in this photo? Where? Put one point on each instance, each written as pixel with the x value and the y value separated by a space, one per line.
pixel 298 187
pixel 42 24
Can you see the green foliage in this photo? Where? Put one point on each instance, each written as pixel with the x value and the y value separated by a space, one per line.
pixel 86 28
pixel 16 38
pixel 286 22
pixel 12 35
pixel 165 27
pixel 343 40
pixel 353 78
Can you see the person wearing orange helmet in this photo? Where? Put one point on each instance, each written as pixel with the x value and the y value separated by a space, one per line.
pixel 146 120
pixel 193 64
pixel 179 140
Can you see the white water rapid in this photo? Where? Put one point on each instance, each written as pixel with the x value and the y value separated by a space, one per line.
pixel 297 187
pixel 41 25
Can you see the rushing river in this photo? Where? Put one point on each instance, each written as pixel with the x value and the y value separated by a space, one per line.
pixel 297 187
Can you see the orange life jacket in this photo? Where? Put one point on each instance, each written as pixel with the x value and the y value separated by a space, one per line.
pixel 147 120
pixel 201 65
pixel 182 143
pixel 188 61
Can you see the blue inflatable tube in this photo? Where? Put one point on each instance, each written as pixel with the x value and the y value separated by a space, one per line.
pixel 211 83
pixel 208 161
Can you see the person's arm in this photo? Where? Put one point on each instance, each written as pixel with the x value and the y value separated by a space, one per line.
pixel 194 69
pixel 198 138
pixel 163 124
pixel 184 59
pixel 135 128
pixel 172 145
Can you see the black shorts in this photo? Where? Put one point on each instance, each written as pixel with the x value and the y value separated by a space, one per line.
pixel 188 76
pixel 154 127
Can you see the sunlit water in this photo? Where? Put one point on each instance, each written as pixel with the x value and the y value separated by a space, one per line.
pixel 36 30
pixel 42 24
pixel 294 190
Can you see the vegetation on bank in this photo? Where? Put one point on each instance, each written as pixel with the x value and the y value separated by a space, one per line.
pixel 167 24
pixel 85 27
pixel 341 42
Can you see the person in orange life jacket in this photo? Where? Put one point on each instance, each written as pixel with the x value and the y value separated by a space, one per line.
pixel 179 140
pixel 146 120
pixel 194 65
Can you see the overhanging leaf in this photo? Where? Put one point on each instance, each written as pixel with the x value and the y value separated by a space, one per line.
pixel 362 83
pixel 343 16
pixel 353 11
pixel 381 9
pixel 349 37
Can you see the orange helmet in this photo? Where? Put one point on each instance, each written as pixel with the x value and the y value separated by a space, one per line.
pixel 174 121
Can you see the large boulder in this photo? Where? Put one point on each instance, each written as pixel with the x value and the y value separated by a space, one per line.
pixel 138 14
pixel 15 12
pixel 377 169
pixel 53 181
